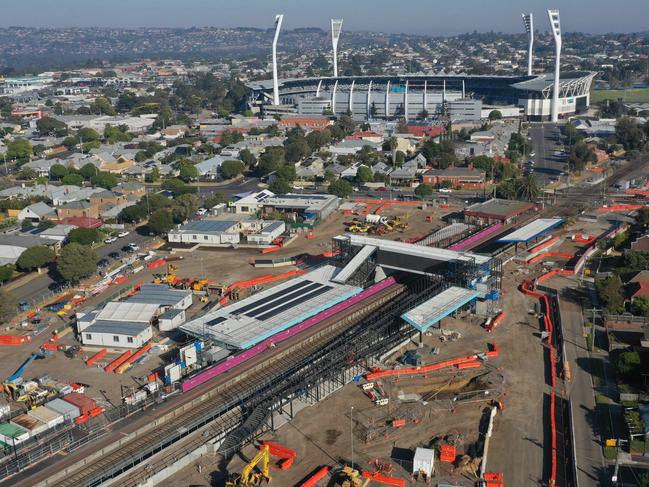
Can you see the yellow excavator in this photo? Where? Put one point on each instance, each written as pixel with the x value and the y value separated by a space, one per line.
pixel 168 278
pixel 249 477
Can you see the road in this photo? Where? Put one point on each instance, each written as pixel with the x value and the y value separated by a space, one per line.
pixel 546 139
pixel 38 288
pixel 591 465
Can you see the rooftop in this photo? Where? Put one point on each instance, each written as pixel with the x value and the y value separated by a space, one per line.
pixel 532 230
pixel 207 226
pixel 496 207
pixel 438 307
pixel 159 295
pixel 116 327
pixel 128 311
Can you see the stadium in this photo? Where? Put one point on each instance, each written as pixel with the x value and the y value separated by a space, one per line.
pixel 460 96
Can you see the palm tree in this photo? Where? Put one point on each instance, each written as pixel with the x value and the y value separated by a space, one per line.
pixel 527 188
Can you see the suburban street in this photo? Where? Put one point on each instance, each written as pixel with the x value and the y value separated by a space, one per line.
pixel 545 141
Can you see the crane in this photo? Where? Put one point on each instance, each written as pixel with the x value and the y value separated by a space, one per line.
pixel 12 385
pixel 248 476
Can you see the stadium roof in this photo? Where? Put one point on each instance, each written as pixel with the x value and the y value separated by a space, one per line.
pixel 252 320
pixel 438 307
pixel 532 230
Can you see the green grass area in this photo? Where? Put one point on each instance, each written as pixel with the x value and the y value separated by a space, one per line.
pixel 597 371
pixel 605 430
pixel 631 96
pixel 602 399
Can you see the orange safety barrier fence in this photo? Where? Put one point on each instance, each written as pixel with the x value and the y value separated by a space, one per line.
pixel 124 366
pixel 620 207
pixel 268 250
pixel 265 279
pixel 543 245
pixel 380 209
pixel 544 255
pixel 641 192
pixel 383 479
pixel 156 263
pixel 14 339
pixel 386 202
pixel 118 361
pixel 100 354
pixel 378 374
pixel 316 477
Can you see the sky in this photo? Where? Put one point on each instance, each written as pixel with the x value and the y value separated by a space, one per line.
pixel 433 17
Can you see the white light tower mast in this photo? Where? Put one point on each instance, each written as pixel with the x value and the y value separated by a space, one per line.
pixel 278 26
pixel 336 27
pixel 555 25
pixel 528 20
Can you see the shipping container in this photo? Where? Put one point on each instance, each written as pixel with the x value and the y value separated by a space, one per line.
pixel 30 424
pixel 48 416
pixel 11 434
pixel 84 403
pixel 65 409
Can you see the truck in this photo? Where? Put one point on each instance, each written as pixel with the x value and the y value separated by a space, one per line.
pixel 376 219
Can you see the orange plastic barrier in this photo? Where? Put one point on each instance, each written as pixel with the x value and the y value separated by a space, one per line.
pixel 377 374
pixel 598 169
pixel 496 321
pixel 493 479
pixel 286 455
pixel 14 339
pixel 384 479
pixel 620 207
pixel 330 253
pixel 120 280
pixel 543 245
pixel 266 279
pixel 118 361
pixel 380 209
pixel 398 423
pixel 447 453
pixel 470 365
pixel 316 477
pixel 268 250
pixel 156 263
pixel 96 356
pixel 126 364
pixel 50 346
pixel 640 192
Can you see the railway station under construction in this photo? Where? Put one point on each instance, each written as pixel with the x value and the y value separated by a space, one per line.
pixel 290 345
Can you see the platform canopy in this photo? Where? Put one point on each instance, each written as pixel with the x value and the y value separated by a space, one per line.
pixel 532 230
pixel 440 306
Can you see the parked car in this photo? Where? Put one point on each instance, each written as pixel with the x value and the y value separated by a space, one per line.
pixel 110 240
pixel 114 255
pixel 445 190
pixel 201 211
pixel 131 248
pixel 103 263
pixel 123 234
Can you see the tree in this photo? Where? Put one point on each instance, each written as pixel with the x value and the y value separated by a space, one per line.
pixel 6 272
pixel 8 305
pixel 154 175
pixel 114 134
pixel 161 221
pixel 176 186
pixel 73 179
pixel 77 261
pixel 35 257
pixel 341 188
pixel 88 135
pixel 399 157
pixel 102 106
pixel 84 236
pixel 364 174
pixel 58 171
pixel 629 134
pixel 611 292
pixel 423 190
pixel 580 155
pixel 88 171
pixel 287 173
pixel 247 157
pixel 280 186
pixel 184 207
pixel 271 159
pixel 27 173
pixel 20 150
pixel 527 188
pixel 495 115
pixel 627 362
pixel 213 200
pixel 188 173
pixel 641 305
pixel 132 214
pixel 232 168
pixel 297 150
pixel 51 126
pixel 105 180
pixel 643 217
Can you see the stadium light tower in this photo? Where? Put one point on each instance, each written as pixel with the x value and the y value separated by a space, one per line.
pixel 336 27
pixel 555 25
pixel 278 26
pixel 528 20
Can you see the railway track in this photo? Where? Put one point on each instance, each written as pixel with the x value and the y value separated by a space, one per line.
pixel 227 394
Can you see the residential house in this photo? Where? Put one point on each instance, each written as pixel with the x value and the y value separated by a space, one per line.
pixel 462 177
pixel 37 212
pixel 108 197
pixel 641 244
pixel 78 209
pixel 131 189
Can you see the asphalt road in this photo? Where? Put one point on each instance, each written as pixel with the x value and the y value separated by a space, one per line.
pixel 34 290
pixel 546 140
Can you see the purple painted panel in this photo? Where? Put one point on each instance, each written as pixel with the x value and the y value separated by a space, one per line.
pixel 242 357
pixel 463 244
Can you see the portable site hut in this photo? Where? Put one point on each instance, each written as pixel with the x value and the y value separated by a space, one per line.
pixel 48 416
pixel 11 434
pixel 424 462
pixel 32 425
pixel 65 409
pixel 84 403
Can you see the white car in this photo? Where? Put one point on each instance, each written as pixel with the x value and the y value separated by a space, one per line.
pixel 201 211
pixel 445 190
pixel 110 240
pixel 123 234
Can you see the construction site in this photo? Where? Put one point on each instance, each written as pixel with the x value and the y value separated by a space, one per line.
pixel 400 352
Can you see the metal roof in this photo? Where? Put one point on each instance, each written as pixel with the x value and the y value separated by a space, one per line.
pixel 532 230
pixel 128 311
pixel 252 320
pixel 208 226
pixel 116 327
pixel 159 295
pixel 499 207
pixel 432 253
pixel 438 307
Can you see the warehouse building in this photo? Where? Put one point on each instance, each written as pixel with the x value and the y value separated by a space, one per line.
pixel 497 210
pixel 309 208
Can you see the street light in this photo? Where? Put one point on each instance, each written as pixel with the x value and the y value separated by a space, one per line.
pixel 351 431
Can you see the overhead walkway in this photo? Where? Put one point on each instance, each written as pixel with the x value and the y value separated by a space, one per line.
pixel 440 306
pixel 353 265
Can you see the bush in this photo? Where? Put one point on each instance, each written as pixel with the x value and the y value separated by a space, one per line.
pixel 85 236
pixel 35 257
pixel 341 188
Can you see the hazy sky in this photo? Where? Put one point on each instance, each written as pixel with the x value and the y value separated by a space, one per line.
pixel 410 16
